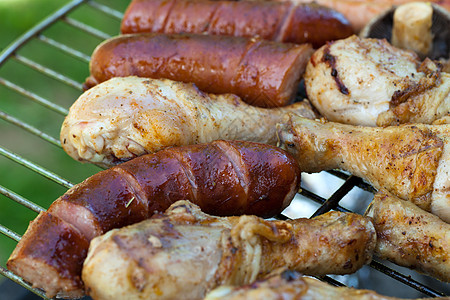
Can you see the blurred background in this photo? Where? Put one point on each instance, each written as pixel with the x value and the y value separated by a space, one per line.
pixel 26 78
pixel 23 84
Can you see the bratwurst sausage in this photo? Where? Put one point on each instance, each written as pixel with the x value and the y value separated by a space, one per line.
pixel 262 73
pixel 282 22
pixel 223 178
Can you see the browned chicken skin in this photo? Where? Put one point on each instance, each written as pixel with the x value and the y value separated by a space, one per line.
pixel 369 82
pixel 223 177
pixel 411 237
pixel 127 117
pixel 186 252
pixel 410 161
pixel 290 285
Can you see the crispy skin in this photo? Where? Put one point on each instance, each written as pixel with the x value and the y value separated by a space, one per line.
pixel 127 117
pixel 409 161
pixel 291 285
pixel 411 237
pixel 261 73
pixel 223 177
pixel 283 22
pixel 369 82
pixel 186 252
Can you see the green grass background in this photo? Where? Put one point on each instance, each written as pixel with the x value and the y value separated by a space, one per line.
pixel 16 17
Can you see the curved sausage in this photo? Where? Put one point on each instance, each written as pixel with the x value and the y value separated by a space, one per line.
pixel 223 178
pixel 262 73
pixel 283 22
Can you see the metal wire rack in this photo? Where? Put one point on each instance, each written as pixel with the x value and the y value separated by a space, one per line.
pixel 41 93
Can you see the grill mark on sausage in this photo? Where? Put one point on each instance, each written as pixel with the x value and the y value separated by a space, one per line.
pixel 188 172
pixel 164 24
pixel 233 156
pixel 281 31
pixel 137 189
pixel 211 19
pixel 330 60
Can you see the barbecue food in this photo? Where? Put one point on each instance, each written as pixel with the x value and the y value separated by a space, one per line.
pixel 419 26
pixel 262 73
pixel 410 161
pixel 282 22
pixel 291 285
pixel 186 252
pixel 224 178
pixel 126 117
pixel 369 82
pixel 411 237
pixel 412 27
pixel 360 12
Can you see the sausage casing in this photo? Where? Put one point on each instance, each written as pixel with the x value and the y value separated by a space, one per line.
pixel 262 73
pixel 283 22
pixel 223 177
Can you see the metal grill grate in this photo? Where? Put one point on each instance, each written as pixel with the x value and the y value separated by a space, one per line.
pixel 41 94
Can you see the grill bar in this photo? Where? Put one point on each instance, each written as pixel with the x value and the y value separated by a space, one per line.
pixel 36 168
pixel 21 200
pixel 64 48
pixel 36 98
pixel 9 233
pixel 37 29
pixel 61 15
pixel 20 281
pixel 30 129
pixel 88 29
pixel 107 10
pixel 50 73
pixel 333 201
pixel 406 280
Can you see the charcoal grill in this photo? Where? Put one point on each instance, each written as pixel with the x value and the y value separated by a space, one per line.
pixel 32 119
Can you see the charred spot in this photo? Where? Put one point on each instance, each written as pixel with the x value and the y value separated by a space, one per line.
pixel 290 145
pixel 289 275
pixel 330 60
pixel 348 264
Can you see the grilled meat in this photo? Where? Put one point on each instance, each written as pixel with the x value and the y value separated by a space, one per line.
pixel 291 285
pixel 410 161
pixel 369 82
pixel 186 252
pixel 127 117
pixel 360 12
pixel 223 178
pixel 261 73
pixel 283 22
pixel 411 237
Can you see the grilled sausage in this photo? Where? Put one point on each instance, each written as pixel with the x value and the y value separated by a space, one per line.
pixel 410 236
pixel 187 252
pixel 283 22
pixel 262 73
pixel 223 178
